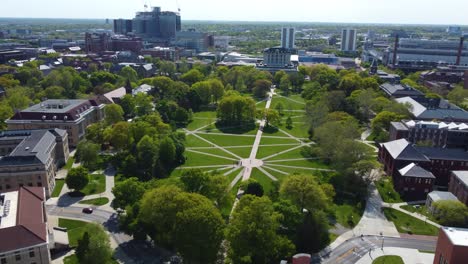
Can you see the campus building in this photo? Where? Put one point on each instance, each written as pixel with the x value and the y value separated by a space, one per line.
pixel 31 158
pixel 24 234
pixel 430 109
pixel 452 246
pixel 415 169
pixel 288 37
pixel 437 134
pixel 397 90
pixel 74 116
pixel 348 40
pixel 459 185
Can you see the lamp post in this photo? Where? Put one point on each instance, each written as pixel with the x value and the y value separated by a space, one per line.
pixel 383 239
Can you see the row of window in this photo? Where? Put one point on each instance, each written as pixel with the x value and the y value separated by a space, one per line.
pixel 32 254
pixel 7 186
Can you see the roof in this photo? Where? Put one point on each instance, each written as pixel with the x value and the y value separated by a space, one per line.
pixel 117 93
pixel 461 176
pixel 439 196
pixel 399 126
pixel 399 90
pixel 30 228
pixel 33 147
pixel 450 154
pixel 413 170
pixel 458 236
pixel 437 109
pixel 401 149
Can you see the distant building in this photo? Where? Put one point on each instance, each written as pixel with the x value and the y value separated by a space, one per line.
pixel 112 97
pixel 25 237
pixel 288 38
pixel 144 88
pixel 452 246
pixel 454 30
pixel 413 181
pixel 74 116
pixel 123 26
pixel 397 90
pixel 144 70
pixel 459 185
pixel 195 40
pixel 126 44
pixel 164 53
pixel 436 196
pixel 97 43
pixel 154 25
pixel 348 40
pixel 31 158
pixel 6 55
pixel 437 134
pixel 317 58
pixel 434 109
pixel 277 59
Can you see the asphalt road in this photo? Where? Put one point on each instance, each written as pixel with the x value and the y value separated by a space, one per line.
pixel 354 249
pixel 129 250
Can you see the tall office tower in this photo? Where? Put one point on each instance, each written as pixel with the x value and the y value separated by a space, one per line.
pixel 288 38
pixel 348 40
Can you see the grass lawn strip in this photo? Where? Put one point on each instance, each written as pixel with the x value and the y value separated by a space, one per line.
pixel 387 192
pixel 267 140
pixel 75 229
pixel 192 142
pixel 97 201
pixel 347 215
pixel 288 103
pixel 96 184
pixel 228 140
pixel 408 224
pixel 388 260
pixel 197 159
pixel 266 182
pixel 69 163
pixel 213 153
pixel 283 152
pixel 312 163
pixel 295 153
pixel 200 123
pixel 264 152
pixel 58 187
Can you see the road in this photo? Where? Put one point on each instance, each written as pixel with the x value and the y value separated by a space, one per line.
pixel 128 250
pixel 354 249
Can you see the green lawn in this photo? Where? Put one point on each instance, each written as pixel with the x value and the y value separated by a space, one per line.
pixel 192 141
pixel 201 119
pixel 227 140
pixel 388 260
pixel 196 159
pixel 243 152
pixel 408 224
pixel 302 163
pixel 288 104
pixel 264 152
pixel 347 215
pixel 270 141
pixel 72 259
pixel 293 154
pixel 297 130
pixel 58 188
pixel 69 163
pixel 264 180
pixel 212 151
pixel 96 184
pixel 75 229
pixel 388 193
pixel 421 210
pixel 97 201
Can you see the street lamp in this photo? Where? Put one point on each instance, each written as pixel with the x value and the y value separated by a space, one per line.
pixel 383 239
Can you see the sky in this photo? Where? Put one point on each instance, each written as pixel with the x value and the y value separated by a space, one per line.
pixel 352 11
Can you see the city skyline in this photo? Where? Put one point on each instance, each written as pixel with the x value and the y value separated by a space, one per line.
pixel 356 11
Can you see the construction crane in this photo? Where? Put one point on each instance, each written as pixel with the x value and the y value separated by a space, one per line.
pixel 178 6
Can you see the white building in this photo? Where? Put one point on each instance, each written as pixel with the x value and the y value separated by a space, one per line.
pixel 348 39
pixel 288 37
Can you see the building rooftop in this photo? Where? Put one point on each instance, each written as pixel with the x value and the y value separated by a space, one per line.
pixel 462 176
pixel 436 109
pixel 458 236
pixel 55 106
pixel 24 224
pixel 401 149
pixel 443 153
pixel 413 170
pixel 399 90
pixel 439 196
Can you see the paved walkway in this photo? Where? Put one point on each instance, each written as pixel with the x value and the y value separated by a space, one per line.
pixel 373 221
pixel 409 256
pixel 397 206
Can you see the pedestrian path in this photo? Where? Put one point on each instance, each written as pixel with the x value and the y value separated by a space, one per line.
pixel 415 215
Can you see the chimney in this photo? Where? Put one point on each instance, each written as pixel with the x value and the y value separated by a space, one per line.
pixel 460 50
pixel 395 50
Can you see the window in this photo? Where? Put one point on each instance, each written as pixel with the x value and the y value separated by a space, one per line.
pixel 17 256
pixel 3 261
pixel 32 254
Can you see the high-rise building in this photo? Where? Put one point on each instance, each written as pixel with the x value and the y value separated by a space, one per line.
pixel 288 38
pixel 154 24
pixel 348 40
pixel 122 26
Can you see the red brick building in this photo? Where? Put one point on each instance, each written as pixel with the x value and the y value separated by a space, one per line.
pixel 452 246
pixel 459 185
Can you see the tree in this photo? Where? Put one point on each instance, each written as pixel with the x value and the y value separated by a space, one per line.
pixel 289 122
pixel 127 192
pixel 128 105
pixel 114 113
pixel 381 123
pixel 148 154
pixel 187 222
pixel 252 233
pixel 87 153
pixel 451 213
pixel 119 135
pixel 5 112
pixel 217 89
pixel 167 151
pixel 94 248
pixel 271 117
pixel 305 192
pixel 212 186
pixel 280 107
pixel 261 88
pixel 77 178
pixel 128 73
pixel 278 76
pixel 458 95
pixel 192 76
pixel 236 109
pixel 253 187
pixel 285 84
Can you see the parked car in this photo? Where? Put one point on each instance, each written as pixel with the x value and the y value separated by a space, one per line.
pixel 88 210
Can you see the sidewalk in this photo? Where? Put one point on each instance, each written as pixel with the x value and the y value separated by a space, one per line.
pixel 410 256
pixel 397 206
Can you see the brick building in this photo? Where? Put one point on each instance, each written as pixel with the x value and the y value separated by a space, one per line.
pixel 74 116
pixel 398 154
pixel 24 234
pixel 452 246
pixel 459 185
